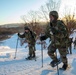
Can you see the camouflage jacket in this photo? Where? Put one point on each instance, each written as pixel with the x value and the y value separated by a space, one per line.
pixel 30 37
pixel 60 32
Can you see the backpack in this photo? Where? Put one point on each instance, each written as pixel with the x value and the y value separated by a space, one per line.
pixel 33 34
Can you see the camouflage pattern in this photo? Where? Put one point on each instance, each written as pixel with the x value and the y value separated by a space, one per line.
pixel 74 43
pixel 58 41
pixel 30 39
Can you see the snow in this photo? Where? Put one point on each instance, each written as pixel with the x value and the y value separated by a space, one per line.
pixel 20 66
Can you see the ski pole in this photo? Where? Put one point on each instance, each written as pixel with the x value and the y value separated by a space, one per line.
pixel 42 52
pixel 35 53
pixel 57 64
pixel 16 48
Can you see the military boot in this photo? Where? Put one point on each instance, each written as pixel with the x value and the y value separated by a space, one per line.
pixel 33 56
pixel 29 58
pixel 55 62
pixel 64 67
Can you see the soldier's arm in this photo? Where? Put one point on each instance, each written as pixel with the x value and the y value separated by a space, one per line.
pixel 46 33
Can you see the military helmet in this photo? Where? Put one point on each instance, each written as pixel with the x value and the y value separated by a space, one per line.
pixel 26 28
pixel 54 14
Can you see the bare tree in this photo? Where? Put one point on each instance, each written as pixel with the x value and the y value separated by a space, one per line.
pixel 70 21
pixel 33 18
pixel 49 6
pixel 32 21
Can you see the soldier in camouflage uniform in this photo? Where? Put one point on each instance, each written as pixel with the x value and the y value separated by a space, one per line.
pixel 70 45
pixel 58 34
pixel 74 43
pixel 30 39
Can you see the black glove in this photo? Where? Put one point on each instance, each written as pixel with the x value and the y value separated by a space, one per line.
pixel 43 38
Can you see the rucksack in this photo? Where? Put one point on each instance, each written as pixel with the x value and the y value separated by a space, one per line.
pixel 33 34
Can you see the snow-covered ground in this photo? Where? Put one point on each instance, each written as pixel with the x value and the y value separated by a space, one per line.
pixel 20 66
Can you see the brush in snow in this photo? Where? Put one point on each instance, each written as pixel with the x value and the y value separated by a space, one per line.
pixel 55 63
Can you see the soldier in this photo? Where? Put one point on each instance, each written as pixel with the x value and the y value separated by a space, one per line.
pixel 74 43
pixel 58 34
pixel 30 38
pixel 70 45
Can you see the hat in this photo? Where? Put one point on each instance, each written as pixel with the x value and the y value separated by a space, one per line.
pixel 26 28
pixel 54 13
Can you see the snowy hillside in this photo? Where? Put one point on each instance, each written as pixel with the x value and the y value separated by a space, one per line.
pixel 20 66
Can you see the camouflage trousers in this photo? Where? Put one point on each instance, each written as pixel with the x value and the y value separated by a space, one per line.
pixel 32 49
pixel 70 49
pixel 62 50
pixel 74 46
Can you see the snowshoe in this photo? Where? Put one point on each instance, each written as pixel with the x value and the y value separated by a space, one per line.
pixel 32 58
pixel 29 58
pixel 55 62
